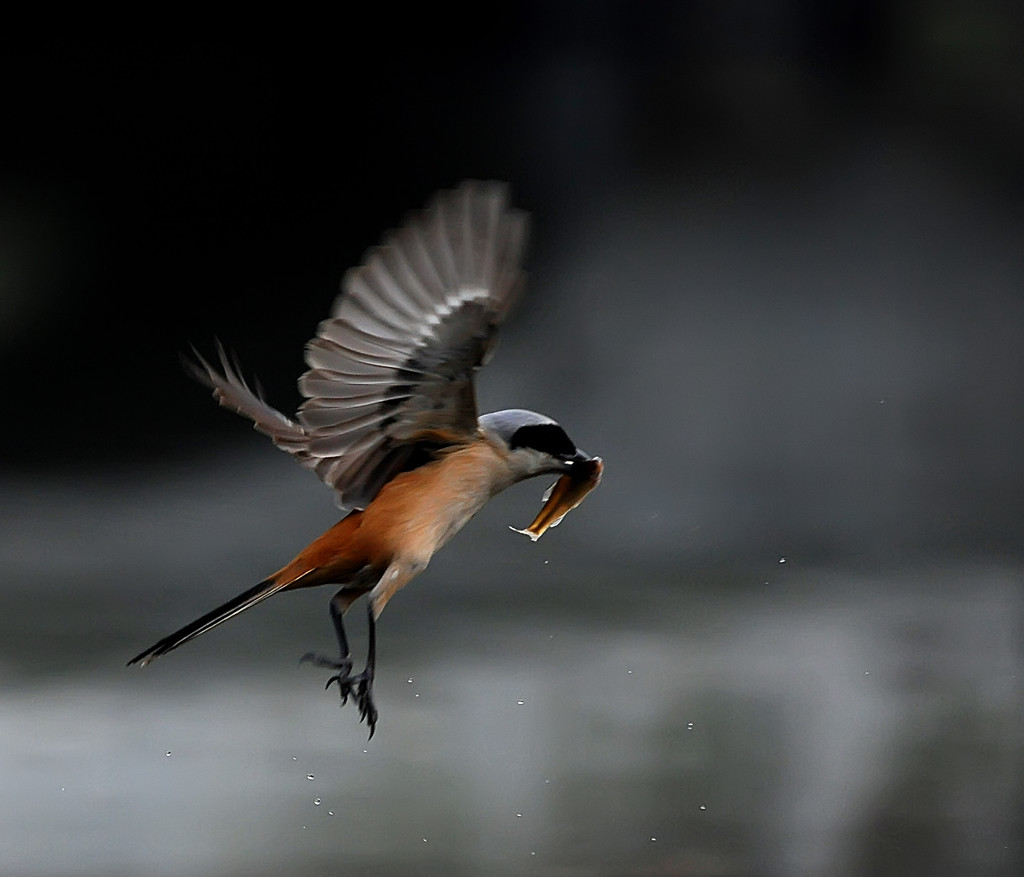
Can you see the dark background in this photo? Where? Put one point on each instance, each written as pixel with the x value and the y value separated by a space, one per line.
pixel 776 282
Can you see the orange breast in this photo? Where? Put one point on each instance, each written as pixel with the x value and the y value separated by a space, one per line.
pixel 412 516
pixel 417 512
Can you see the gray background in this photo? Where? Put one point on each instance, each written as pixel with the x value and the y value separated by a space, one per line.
pixel 775 281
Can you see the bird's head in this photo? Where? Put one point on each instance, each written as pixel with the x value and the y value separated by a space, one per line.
pixel 533 444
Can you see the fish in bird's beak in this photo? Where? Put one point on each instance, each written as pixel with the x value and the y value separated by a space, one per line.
pixel 564 495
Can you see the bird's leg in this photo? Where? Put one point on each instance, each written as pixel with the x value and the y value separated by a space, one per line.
pixel 358 686
pixel 343 663
pixel 364 681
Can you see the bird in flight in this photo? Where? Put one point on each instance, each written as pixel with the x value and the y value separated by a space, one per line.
pixel 390 420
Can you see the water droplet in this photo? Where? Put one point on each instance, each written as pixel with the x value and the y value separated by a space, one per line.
pixel 689 726
pixel 310 776
pixel 330 812
pixel 519 816
pixel 653 839
pixel 317 802
pixel 409 680
pixel 629 672
pixel 424 840
pixel 866 673
pixel 533 852
pixel 168 753
pixel 702 807
pixel 782 560
pixel 520 702
pixel 417 694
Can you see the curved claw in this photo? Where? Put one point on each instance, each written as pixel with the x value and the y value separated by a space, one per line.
pixel 356 687
pixel 344 686
pixel 367 710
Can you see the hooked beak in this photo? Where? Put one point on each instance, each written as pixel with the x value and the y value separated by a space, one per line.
pixel 576 462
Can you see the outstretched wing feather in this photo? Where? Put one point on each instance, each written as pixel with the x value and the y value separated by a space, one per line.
pixel 391 370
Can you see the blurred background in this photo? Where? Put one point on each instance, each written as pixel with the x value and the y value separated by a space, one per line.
pixel 776 282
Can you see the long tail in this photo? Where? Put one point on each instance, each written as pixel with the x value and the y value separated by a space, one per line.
pixel 210 620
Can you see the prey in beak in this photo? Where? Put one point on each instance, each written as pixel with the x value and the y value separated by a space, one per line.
pixel 564 495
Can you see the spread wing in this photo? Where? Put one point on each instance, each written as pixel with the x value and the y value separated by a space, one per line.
pixel 391 370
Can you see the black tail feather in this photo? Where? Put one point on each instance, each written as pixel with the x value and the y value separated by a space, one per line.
pixel 210 620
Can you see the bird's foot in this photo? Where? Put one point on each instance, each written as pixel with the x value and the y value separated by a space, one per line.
pixel 364 700
pixel 357 687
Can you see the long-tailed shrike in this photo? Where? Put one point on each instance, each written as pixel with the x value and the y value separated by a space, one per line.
pixel 390 418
